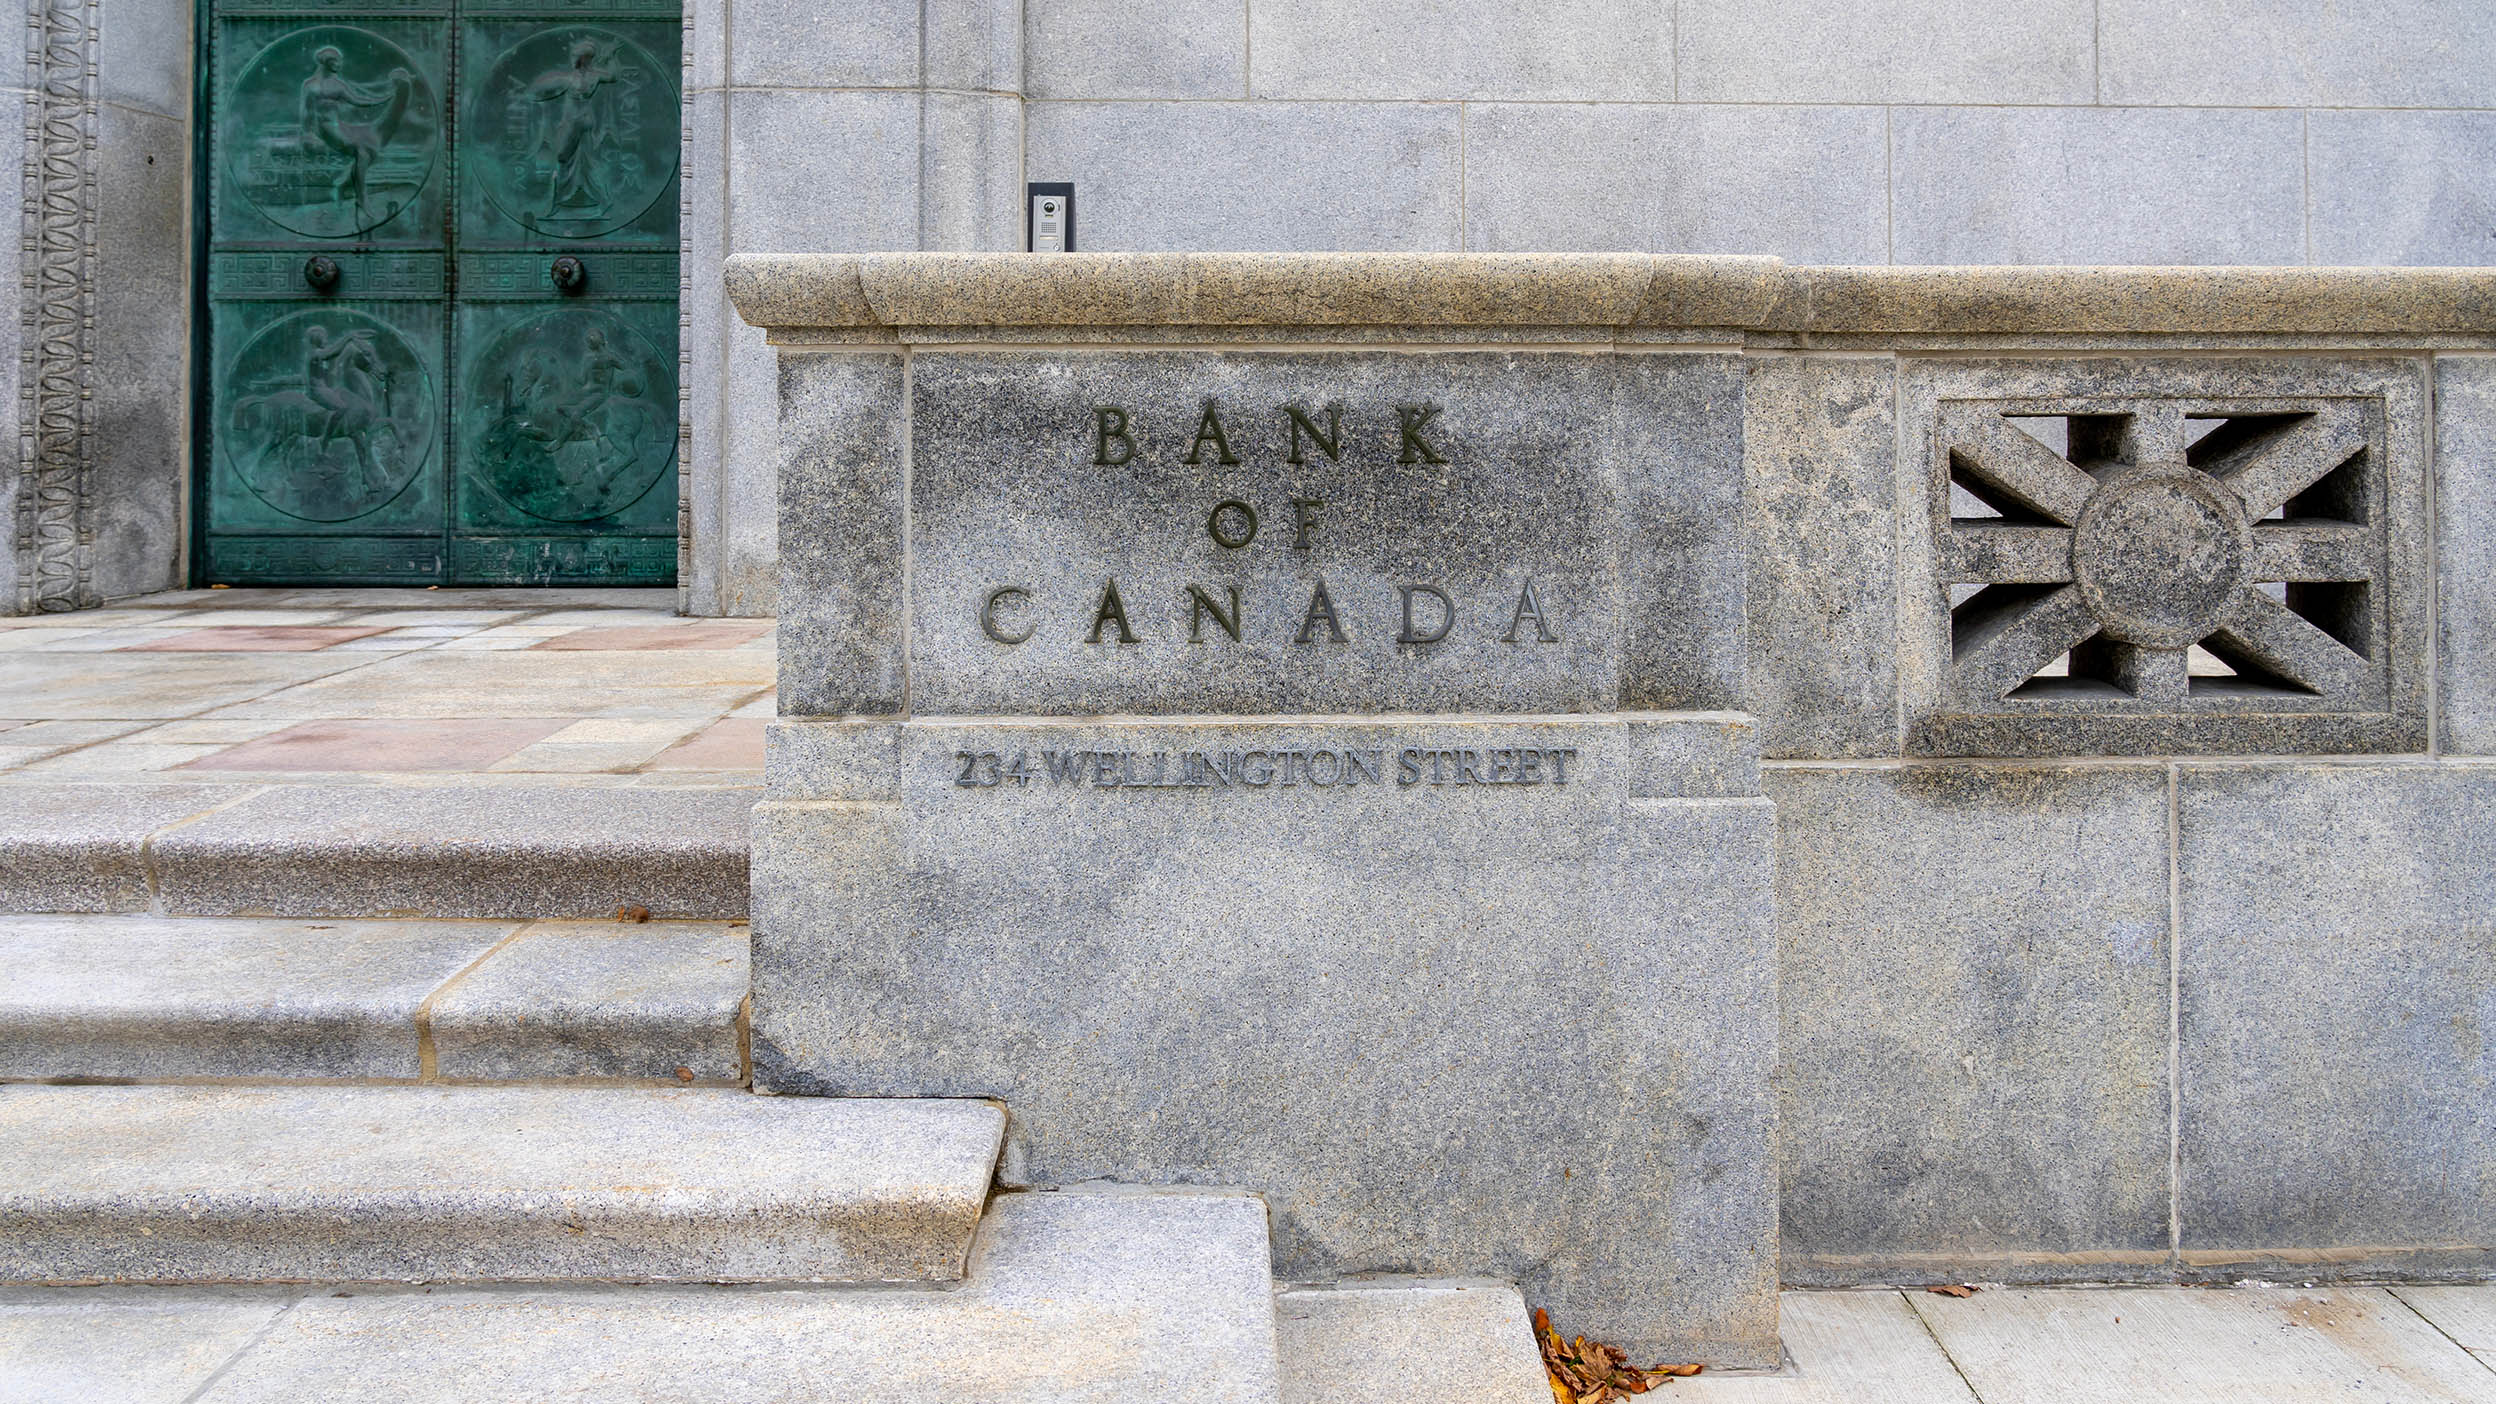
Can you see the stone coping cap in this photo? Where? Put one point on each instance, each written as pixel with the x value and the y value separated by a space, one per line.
pixel 1739 293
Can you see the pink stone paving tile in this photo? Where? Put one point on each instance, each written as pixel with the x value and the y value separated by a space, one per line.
pixel 716 633
pixel 259 638
pixel 733 744
pixel 466 744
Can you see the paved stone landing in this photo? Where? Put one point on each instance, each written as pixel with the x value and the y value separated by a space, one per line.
pixel 1069 1299
pixel 164 998
pixel 210 684
pixel 448 753
pixel 260 1184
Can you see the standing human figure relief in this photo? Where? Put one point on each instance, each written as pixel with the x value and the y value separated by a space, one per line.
pixel 577 133
pixel 334 116
pixel 346 378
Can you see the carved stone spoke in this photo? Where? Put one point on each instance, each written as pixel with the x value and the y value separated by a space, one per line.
pixel 2277 468
pixel 2006 641
pixel 2312 551
pixel 2006 460
pixel 2013 554
pixel 2154 433
pixel 2159 675
pixel 2261 630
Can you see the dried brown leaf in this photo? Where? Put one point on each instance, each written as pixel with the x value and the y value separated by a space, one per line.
pixel 1952 1289
pixel 1594 1372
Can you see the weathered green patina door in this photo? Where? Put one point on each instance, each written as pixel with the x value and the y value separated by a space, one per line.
pixel 442 292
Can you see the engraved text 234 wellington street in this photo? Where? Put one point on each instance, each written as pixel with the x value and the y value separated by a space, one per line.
pixel 1319 767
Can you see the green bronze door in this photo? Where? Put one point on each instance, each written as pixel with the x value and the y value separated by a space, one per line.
pixel 441 292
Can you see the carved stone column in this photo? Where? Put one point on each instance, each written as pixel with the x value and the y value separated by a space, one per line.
pixel 51 540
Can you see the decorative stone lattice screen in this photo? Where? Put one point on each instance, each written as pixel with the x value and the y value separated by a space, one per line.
pixel 2128 566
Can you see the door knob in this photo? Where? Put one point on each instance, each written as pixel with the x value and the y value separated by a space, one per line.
pixel 570 274
pixel 321 271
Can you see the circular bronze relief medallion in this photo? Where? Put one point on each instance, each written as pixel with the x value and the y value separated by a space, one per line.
pixel 2157 552
pixel 326 415
pixel 330 132
pixel 572 415
pixel 573 131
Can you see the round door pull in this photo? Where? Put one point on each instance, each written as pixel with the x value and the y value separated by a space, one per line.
pixel 569 273
pixel 321 271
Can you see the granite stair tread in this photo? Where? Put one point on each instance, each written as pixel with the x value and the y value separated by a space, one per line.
pixel 464 847
pixel 145 998
pixel 1069 1298
pixel 426 1184
pixel 1355 1342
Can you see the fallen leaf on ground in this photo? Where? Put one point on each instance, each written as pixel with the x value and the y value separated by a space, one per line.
pixel 1591 1372
pixel 632 914
pixel 1952 1289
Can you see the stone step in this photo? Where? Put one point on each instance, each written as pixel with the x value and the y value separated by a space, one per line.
pixel 473 1184
pixel 459 848
pixel 1460 1342
pixel 1070 1298
pixel 156 999
pixel 263 998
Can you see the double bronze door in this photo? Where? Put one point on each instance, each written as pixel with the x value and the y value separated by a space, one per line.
pixel 441 292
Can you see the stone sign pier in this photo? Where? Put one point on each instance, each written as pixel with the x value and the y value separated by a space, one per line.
pixel 1311 769
pixel 1300 722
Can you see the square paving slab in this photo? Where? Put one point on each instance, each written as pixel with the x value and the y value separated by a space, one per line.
pixel 295 685
pixel 393 744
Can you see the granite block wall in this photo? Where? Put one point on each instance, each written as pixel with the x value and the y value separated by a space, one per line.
pixel 2465 481
pixel 1826 131
pixel 2123 1022
pixel 884 124
pixel 1822 131
pixel 2132 1013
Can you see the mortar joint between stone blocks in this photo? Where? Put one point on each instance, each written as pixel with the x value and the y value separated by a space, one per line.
pixel 2175 1017
pixel 745 1037
pixel 147 845
pixel 428 1059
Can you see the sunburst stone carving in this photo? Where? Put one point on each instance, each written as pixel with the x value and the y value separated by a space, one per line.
pixel 2162 554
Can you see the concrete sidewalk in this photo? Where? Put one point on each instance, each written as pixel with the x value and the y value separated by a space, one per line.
pixel 2242 1345
pixel 2127 1345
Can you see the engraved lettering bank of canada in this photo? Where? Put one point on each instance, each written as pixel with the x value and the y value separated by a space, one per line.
pixel 1419 612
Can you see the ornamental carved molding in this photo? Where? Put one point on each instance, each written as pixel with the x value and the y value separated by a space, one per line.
pixel 2171 558
pixel 55 504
